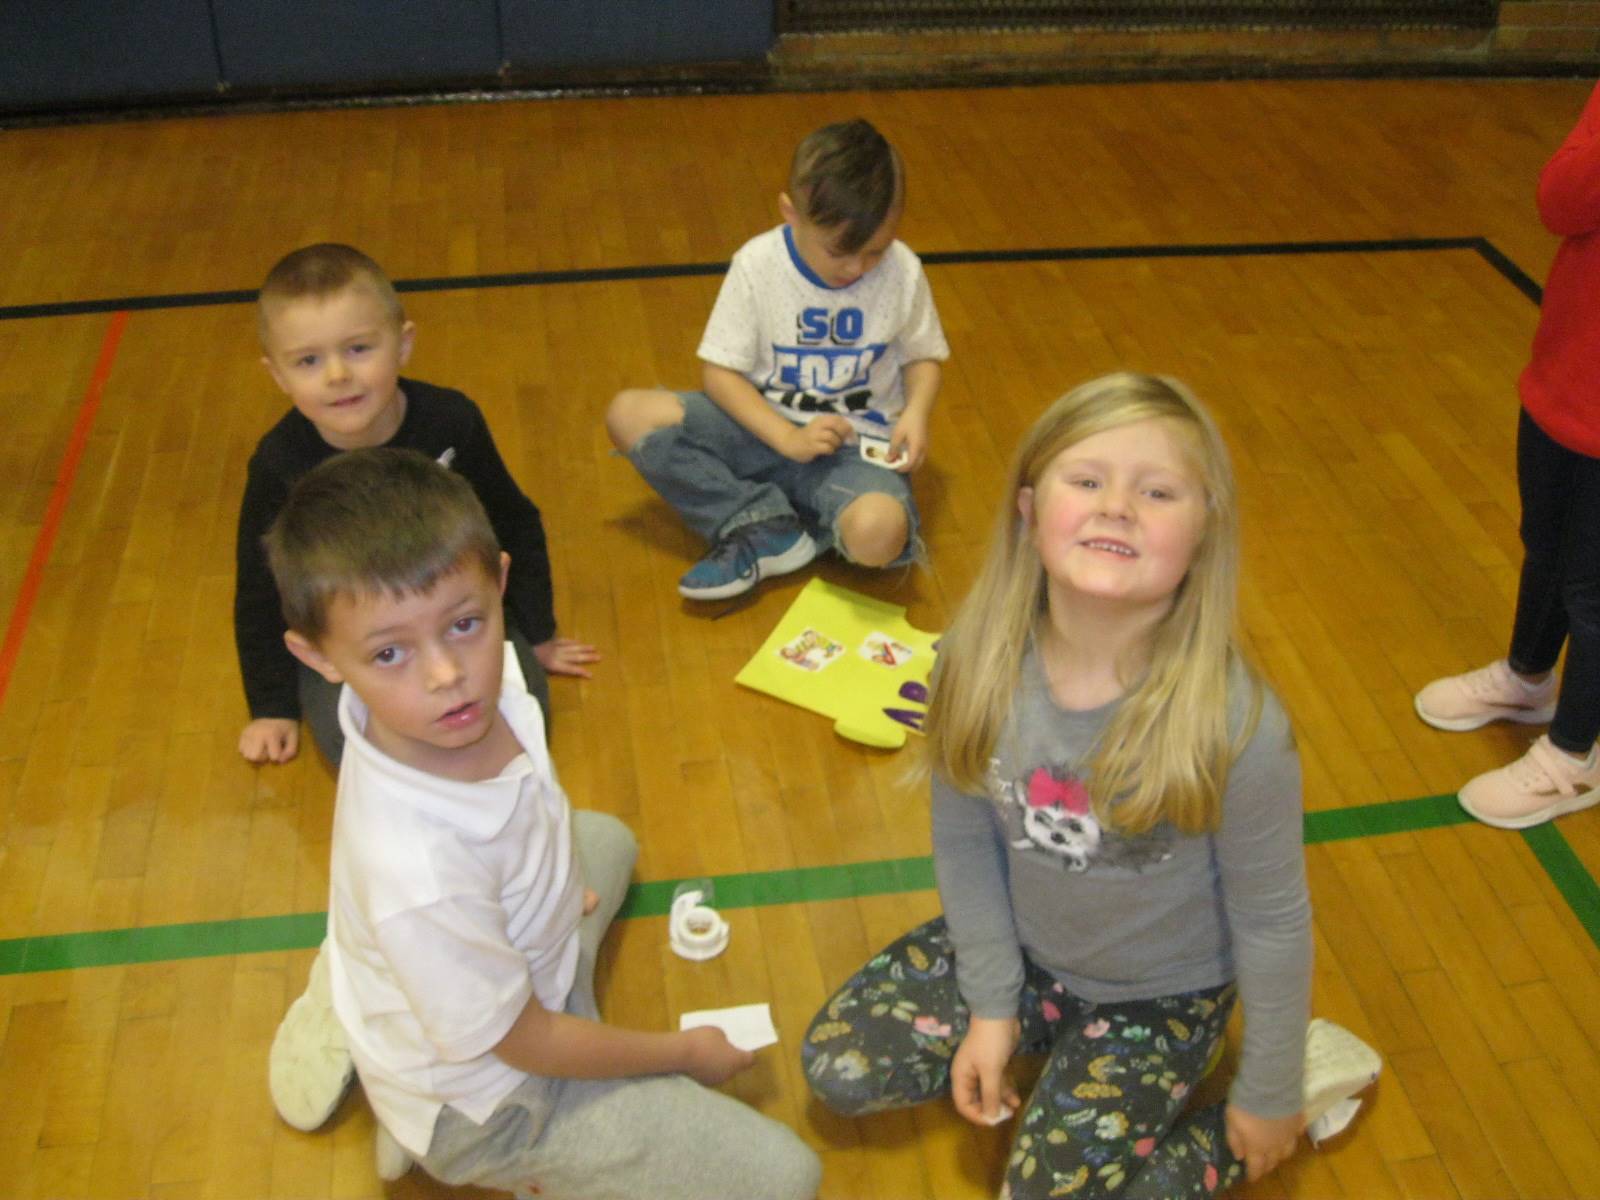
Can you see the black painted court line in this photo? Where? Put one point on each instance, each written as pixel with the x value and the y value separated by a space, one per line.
pixel 1519 278
pixel 1513 273
pixel 1203 250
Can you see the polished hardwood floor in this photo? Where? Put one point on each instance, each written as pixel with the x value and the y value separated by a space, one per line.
pixel 1368 393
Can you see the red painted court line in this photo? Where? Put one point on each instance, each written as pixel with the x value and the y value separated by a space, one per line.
pixel 46 539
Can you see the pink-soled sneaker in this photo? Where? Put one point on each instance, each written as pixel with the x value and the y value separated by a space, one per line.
pixel 1493 693
pixel 1543 784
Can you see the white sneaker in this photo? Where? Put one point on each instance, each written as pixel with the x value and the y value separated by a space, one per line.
pixel 1493 693
pixel 1339 1065
pixel 309 1068
pixel 389 1156
pixel 1543 784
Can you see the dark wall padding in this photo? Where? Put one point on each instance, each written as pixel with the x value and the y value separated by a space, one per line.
pixel 633 33
pixel 62 52
pixel 351 44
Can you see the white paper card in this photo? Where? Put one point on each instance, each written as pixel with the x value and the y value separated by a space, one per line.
pixel 748 1026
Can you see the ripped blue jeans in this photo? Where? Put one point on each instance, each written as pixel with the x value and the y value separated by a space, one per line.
pixel 718 476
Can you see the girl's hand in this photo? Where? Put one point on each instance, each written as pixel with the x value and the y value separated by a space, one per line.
pixel 978 1082
pixel 1261 1143
pixel 710 1058
pixel 565 656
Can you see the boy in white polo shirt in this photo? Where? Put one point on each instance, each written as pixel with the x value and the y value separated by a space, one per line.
pixel 462 937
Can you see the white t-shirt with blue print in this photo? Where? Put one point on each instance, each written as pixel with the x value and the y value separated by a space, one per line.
pixel 809 348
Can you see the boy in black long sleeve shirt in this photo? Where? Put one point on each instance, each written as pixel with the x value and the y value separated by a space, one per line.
pixel 334 338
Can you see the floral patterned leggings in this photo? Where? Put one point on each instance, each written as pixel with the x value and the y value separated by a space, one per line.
pixel 1107 1117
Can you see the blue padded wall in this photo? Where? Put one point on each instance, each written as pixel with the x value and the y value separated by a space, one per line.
pixel 353 44
pixel 57 53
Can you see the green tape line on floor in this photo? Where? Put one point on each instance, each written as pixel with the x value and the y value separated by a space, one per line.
pixel 752 889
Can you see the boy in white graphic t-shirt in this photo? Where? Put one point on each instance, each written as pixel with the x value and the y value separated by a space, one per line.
pixel 820 366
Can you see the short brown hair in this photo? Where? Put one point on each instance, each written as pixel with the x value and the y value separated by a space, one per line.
pixel 318 272
pixel 381 520
pixel 847 176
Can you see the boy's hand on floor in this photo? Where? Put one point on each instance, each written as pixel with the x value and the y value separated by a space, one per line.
pixel 710 1058
pixel 566 656
pixel 270 739
pixel 820 437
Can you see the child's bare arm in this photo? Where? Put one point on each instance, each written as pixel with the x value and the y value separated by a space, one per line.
pixel 908 444
pixel 562 1046
pixel 737 397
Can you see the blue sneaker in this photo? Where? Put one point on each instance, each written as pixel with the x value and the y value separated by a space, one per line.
pixel 746 556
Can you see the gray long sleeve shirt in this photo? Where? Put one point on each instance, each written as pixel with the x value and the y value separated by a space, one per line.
pixel 1028 869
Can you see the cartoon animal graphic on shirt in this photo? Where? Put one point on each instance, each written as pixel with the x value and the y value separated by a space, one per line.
pixel 1057 817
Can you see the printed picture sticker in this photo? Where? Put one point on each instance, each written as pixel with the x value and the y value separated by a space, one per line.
pixel 884 650
pixel 811 651
pixel 876 450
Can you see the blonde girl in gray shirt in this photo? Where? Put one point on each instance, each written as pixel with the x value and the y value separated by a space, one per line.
pixel 1117 832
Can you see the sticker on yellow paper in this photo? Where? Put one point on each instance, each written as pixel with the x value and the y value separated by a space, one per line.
pixel 811 651
pixel 875 694
pixel 882 649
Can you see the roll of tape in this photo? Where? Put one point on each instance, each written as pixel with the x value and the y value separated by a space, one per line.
pixel 695 930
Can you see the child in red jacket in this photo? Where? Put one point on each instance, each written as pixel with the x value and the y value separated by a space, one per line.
pixel 1558 476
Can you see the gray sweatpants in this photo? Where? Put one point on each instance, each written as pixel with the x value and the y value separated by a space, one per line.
pixel 662 1136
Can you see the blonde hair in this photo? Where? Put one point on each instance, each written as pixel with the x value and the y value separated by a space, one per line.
pixel 1165 754
pixel 319 271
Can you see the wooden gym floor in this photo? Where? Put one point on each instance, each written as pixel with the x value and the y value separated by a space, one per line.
pixel 1340 268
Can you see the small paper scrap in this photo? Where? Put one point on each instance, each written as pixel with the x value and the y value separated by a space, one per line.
pixel 748 1026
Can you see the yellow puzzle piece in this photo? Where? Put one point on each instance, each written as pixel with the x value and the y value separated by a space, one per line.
pixel 849 657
